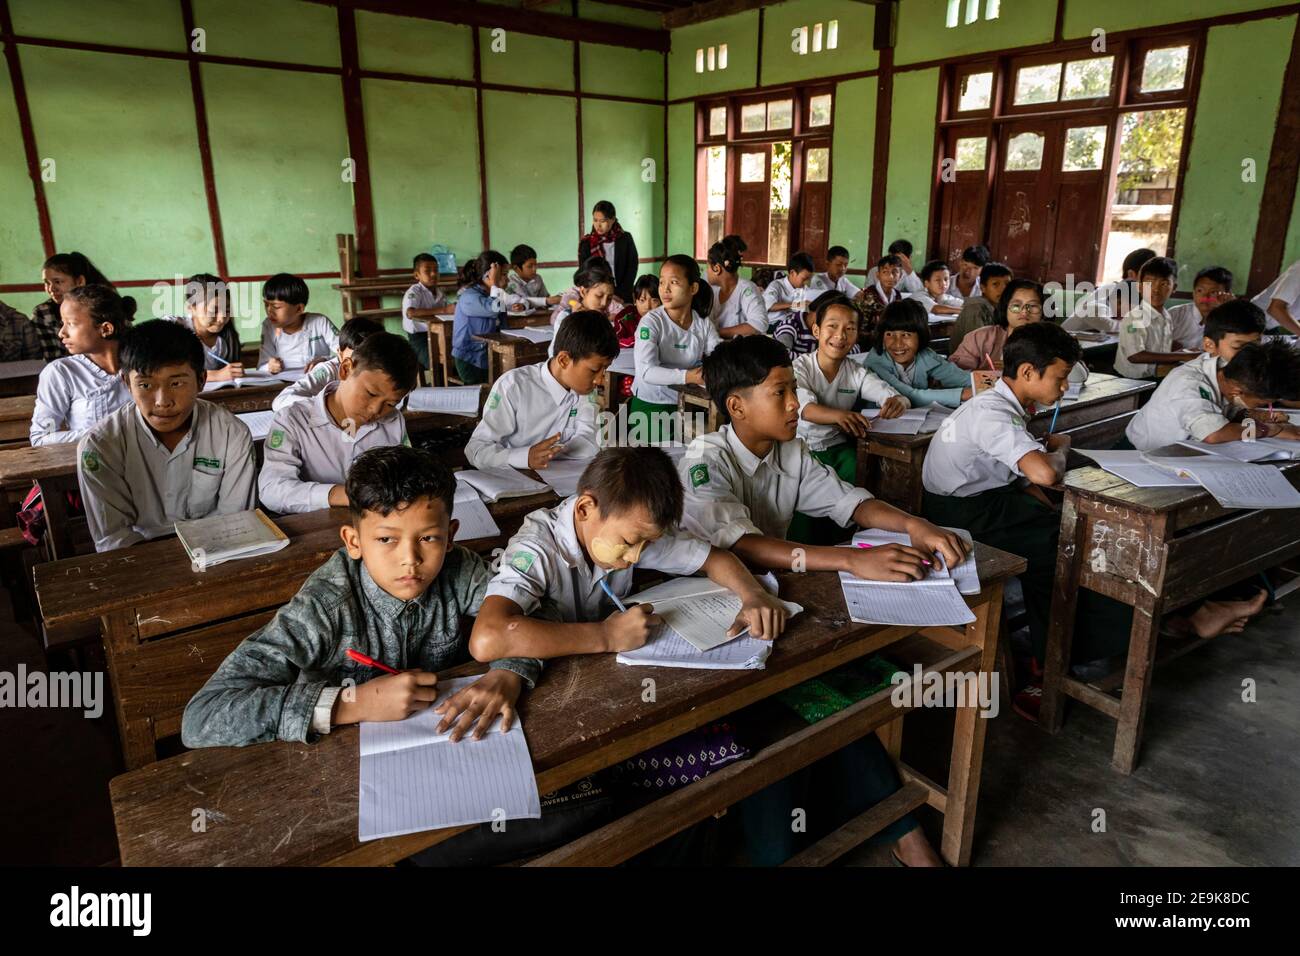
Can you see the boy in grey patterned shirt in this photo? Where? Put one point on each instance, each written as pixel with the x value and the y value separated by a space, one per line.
pixel 398 592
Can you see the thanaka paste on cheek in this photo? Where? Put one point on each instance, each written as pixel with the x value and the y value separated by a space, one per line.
pixel 606 551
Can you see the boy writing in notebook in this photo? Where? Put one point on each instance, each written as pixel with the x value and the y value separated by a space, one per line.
pixel 167 456
pixel 1221 395
pixel 538 412
pixel 422 301
pixel 311 445
pixel 745 481
pixel 984 472
pixel 398 592
pixel 1211 288
pixel 292 337
pixel 352 334
pixel 572 566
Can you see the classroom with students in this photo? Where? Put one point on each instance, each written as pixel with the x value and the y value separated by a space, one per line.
pixel 369 369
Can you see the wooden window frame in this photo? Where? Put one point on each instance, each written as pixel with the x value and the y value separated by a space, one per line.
pixel 1138 50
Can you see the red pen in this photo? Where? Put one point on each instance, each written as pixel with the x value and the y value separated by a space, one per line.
pixel 988 358
pixel 371 662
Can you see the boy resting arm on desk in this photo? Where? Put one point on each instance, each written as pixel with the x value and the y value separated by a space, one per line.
pixel 573 563
pixel 397 592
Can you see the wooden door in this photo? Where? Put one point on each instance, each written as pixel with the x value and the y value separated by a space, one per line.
pixel 1076 195
pixel 1024 186
pixel 751 198
pixel 963 191
pixel 814 199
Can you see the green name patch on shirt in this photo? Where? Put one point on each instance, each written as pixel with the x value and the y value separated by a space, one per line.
pixel 208 462
pixel 847 391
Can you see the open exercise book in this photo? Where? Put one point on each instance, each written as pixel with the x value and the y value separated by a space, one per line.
pixel 259 423
pixel 933 601
pixel 493 484
pixel 452 400
pixel 697 614
pixel 1261 449
pixel 562 474
pixel 414 778
pixel 908 423
pixel 221 538
pixel 475 519
pixel 1233 483
pixel 533 333
pixel 255 376
pixel 1134 468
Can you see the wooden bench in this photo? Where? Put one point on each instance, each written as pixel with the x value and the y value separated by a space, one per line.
pixel 889 466
pixel 19 378
pixel 693 400
pixel 166 627
pixel 1155 549
pixel 586 714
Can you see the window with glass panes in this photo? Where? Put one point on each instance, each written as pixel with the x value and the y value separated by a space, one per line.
pixel 764 172
pixel 1062 162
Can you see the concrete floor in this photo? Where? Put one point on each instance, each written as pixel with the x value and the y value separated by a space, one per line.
pixel 1218 782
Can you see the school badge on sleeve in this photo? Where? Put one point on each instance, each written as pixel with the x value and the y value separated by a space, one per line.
pixel 90 462
pixel 522 561
pixel 276 439
pixel 699 475
pixel 644 333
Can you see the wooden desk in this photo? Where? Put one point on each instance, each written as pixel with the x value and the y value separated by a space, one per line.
pixel 1099 352
pixel 889 466
pixel 506 352
pixel 245 398
pixel 694 400
pixel 265 790
pixel 156 612
pixel 19 378
pixel 1155 549
pixel 439 333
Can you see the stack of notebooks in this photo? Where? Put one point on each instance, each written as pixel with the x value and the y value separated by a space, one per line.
pixel 1235 473
pixel 697 615
pixel 934 601
pixel 221 538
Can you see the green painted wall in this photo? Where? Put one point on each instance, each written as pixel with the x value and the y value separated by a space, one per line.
pixel 153 24
pixel 21 252
pixel 283 30
pixel 410 45
pixel 618 71
pixel 681 178
pixel 1234 122
pixel 628 169
pixel 852 161
pixel 923 34
pixel 911 157
pixel 1084 16
pixel 739 32
pixel 852 53
pixel 128 188
pixel 523 60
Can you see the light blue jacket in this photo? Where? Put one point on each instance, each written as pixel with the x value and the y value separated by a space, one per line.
pixel 476 314
pixel 929 365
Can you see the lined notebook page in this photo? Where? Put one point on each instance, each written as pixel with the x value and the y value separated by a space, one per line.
pixel 670 649
pixel 414 779
pixel 475 519
pixel 259 423
pixel 919 603
pixel 562 474
pixel 965 575
pixel 451 400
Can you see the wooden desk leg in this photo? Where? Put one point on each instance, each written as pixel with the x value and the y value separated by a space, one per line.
pixel 968 739
pixel 1137 681
pixel 1070 555
pixel 120 642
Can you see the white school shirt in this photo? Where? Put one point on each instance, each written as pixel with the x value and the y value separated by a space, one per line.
pixel 545 569
pixel 731 493
pixel 1186 406
pixel 73 394
pixel 955 291
pixel 1142 330
pixel 780 290
pixel 1186 325
pixel 979 445
pixel 664 351
pixel 526 405
pixel 910 283
pixel 1097 310
pixel 309 386
pixel 134 489
pixel 317 339
pixel 306 454
pixel 822 283
pixel 533 288
pixel 745 305
pixel 928 301
pixel 851 382
pixel 418 296
pixel 1285 287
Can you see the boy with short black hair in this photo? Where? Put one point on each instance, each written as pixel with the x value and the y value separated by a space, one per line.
pixel 1101 309
pixel 168 456
pixel 422 301
pixel 1218 396
pixel 835 277
pixel 1146 337
pixel 936 297
pixel 965 282
pixel 978 310
pixel 572 564
pixel 787 296
pixel 910 283
pixel 1211 288
pixel 353 333
pixel 880 293
pixel 311 445
pixel 399 592
pixel 537 412
pixel 291 336
pixel 524 280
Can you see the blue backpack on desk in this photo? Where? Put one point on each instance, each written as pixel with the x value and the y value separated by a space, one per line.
pixel 446 259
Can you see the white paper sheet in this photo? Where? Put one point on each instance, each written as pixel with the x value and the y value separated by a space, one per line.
pixel 669 649
pixel 965 575
pixel 413 778
pixel 699 611
pixel 475 519
pixel 223 538
pixel 452 400
pixel 929 603
pixel 562 474
pixel 908 423
pixel 255 376
pixel 1237 484
pixel 259 423
pixel 533 333
pixel 625 363
pixel 1133 467
pixel 1263 449
pixel 493 484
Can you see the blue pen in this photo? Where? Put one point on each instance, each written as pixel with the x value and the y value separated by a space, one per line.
pixel 604 586
pixel 1052 427
pixel 211 354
